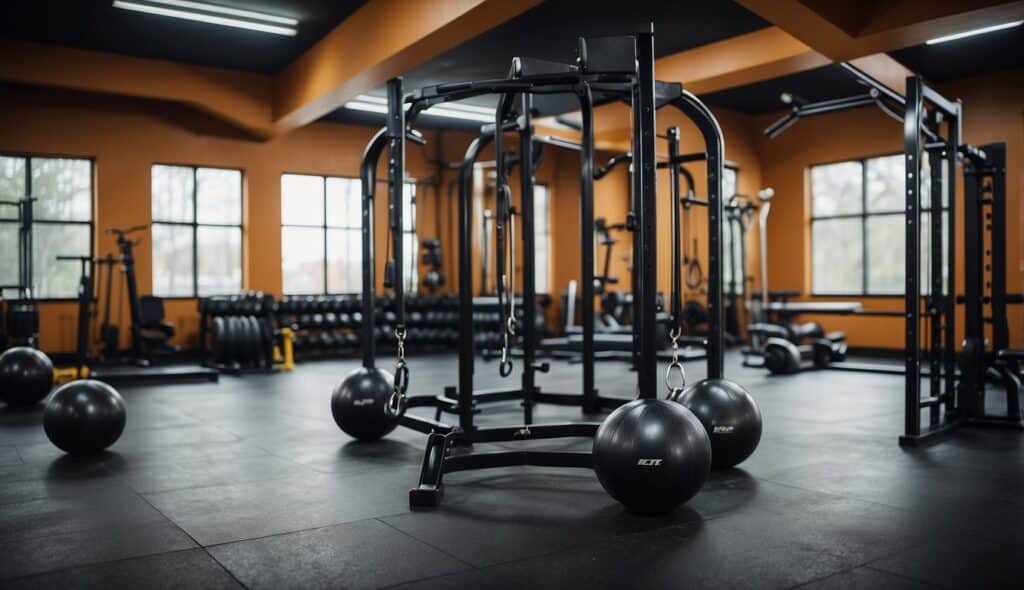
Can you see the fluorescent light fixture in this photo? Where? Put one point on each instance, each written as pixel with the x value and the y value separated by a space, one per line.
pixel 250 14
pixel 180 12
pixel 369 107
pixel 974 32
pixel 451 110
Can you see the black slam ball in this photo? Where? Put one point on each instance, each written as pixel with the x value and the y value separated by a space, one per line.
pixel 730 416
pixel 84 417
pixel 26 376
pixel 652 455
pixel 359 404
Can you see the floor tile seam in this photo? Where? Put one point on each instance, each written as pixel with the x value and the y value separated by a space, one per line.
pixel 425 542
pixel 296 531
pixel 99 563
pixel 903 576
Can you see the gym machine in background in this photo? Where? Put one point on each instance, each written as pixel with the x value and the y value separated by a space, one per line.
pixel 777 342
pixel 585 344
pixel 146 337
pixel 19 316
pixel 944 389
pixel 987 350
pixel 26 373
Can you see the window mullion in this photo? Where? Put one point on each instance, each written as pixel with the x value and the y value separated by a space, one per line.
pixel 326 285
pixel 864 226
pixel 195 231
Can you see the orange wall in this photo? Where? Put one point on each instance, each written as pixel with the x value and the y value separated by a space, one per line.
pixel 126 136
pixel 993 112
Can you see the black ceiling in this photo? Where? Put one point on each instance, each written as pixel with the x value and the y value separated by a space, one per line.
pixel 962 58
pixel 549 31
pixel 822 83
pixel 96 24
pixel 953 60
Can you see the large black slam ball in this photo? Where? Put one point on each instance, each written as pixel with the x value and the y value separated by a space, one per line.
pixel 359 404
pixel 84 417
pixel 651 455
pixel 729 414
pixel 26 376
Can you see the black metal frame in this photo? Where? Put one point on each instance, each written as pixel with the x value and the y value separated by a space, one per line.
pixel 623 66
pixel 923 107
pixel 985 298
pixel 195 225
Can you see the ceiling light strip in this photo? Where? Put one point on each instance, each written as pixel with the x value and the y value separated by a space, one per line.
pixel 250 14
pixel 205 18
pixel 974 32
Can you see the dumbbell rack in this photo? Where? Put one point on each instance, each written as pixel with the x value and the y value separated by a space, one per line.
pixel 324 325
pixel 327 326
pixel 237 332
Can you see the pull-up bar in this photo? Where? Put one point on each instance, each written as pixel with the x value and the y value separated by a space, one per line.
pixel 885 98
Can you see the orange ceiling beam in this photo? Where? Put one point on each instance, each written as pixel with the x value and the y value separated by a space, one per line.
pixel 843 31
pixel 738 61
pixel 381 40
pixel 239 98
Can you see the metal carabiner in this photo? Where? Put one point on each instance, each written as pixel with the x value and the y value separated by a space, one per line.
pixel 675 390
pixel 505 365
pixel 397 401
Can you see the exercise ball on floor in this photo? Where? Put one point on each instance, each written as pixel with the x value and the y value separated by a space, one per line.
pixel 84 417
pixel 26 376
pixel 729 414
pixel 652 455
pixel 359 404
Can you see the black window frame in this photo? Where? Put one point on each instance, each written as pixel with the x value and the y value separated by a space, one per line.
pixel 864 215
pixel 195 225
pixel 28 157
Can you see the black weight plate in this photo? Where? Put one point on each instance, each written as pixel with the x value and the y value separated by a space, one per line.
pixel 243 346
pixel 252 341
pixel 257 340
pixel 232 340
pixel 267 340
pixel 217 337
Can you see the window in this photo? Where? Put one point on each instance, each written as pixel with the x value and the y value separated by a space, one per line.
pixel 410 241
pixel 858 227
pixel 321 235
pixel 542 238
pixel 730 242
pixel 197 231
pixel 62 220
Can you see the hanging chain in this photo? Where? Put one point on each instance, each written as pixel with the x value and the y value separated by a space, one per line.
pixel 674 391
pixel 397 401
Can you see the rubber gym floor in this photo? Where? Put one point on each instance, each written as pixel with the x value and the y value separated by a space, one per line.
pixel 248 483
